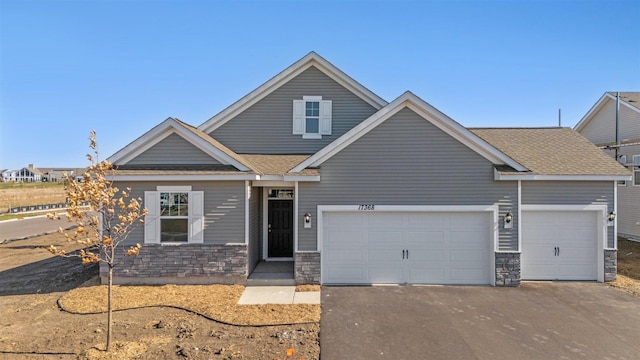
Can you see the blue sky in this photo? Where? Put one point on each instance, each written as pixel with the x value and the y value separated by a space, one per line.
pixel 121 67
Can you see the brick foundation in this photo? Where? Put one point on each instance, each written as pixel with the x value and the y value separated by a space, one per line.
pixel 307 268
pixel 182 264
pixel 507 269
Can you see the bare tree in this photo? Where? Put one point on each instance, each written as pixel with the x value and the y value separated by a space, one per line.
pixel 104 215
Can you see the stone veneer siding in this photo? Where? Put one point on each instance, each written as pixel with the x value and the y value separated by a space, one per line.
pixel 307 268
pixel 182 264
pixel 610 265
pixel 507 269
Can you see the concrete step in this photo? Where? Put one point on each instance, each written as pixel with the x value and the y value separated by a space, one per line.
pixel 271 282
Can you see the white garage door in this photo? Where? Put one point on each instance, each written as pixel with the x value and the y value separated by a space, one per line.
pixel 559 245
pixel 406 247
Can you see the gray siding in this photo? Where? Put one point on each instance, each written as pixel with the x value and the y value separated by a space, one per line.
pixel 254 227
pixel 629 200
pixel 223 208
pixel 602 128
pixel 570 193
pixel 406 161
pixel 266 127
pixel 173 150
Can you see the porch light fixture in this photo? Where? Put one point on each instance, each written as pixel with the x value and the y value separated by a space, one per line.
pixel 612 216
pixel 508 217
pixel 307 221
pixel 508 220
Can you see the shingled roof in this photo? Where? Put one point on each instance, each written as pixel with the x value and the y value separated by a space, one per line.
pixel 551 151
pixel 631 98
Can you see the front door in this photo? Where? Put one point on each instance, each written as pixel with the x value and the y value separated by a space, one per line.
pixel 280 228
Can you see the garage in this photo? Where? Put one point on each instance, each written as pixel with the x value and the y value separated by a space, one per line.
pixel 560 245
pixel 383 247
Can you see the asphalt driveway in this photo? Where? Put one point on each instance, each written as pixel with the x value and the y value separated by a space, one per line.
pixel 539 320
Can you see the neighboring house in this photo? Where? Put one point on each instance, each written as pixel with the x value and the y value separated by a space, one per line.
pixel 599 126
pixel 27 174
pixel 314 168
pixel 57 174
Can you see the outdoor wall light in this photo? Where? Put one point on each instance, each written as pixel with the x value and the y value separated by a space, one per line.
pixel 508 220
pixel 508 217
pixel 611 216
pixel 307 221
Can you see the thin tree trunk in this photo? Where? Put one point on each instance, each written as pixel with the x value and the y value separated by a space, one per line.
pixel 109 313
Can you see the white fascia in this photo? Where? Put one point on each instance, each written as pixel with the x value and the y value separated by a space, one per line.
pixel 163 130
pixel 423 109
pixel 533 177
pixel 185 177
pixel 311 59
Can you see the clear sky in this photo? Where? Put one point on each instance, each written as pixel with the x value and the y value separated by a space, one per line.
pixel 122 67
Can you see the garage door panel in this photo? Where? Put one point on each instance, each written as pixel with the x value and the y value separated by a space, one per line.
pixel 386 256
pixel 389 220
pixel 345 256
pixel 344 220
pixel 345 239
pixel 426 275
pixel 386 274
pixel 429 220
pixel 425 239
pixel 465 240
pixel 385 239
pixel 468 276
pixel 345 274
pixel 430 256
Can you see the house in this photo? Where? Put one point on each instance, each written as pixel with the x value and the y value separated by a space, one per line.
pixel 58 174
pixel 314 168
pixel 613 124
pixel 26 174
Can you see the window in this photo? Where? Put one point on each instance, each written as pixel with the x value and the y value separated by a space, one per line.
pixel 312 117
pixel 175 215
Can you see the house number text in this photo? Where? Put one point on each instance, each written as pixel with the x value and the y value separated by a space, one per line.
pixel 366 207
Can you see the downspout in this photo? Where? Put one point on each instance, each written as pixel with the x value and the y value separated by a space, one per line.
pixel 617 124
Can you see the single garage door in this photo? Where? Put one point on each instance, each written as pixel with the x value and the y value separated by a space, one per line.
pixel 406 247
pixel 559 245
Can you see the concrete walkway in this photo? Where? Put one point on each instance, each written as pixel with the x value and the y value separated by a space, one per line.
pixel 254 295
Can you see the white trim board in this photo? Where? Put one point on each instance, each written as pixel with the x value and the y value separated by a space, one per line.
pixel 533 177
pixel 162 131
pixel 425 110
pixel 602 227
pixel 311 59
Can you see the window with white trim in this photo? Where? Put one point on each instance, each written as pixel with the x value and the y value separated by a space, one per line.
pixel 636 170
pixel 175 215
pixel 312 117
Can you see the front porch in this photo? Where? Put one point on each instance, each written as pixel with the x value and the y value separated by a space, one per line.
pixel 272 273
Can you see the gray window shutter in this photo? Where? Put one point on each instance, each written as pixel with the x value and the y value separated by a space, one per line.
pixel 196 217
pixel 152 219
pixel 325 117
pixel 298 117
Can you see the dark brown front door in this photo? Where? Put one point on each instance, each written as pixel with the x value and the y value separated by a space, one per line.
pixel 280 228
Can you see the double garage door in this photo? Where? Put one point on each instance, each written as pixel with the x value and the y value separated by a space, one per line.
pixel 406 247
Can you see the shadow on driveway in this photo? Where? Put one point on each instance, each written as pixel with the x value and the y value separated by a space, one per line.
pixel 539 320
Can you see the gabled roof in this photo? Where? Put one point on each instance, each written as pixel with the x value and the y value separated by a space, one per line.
pixel 194 136
pixel 429 113
pixel 628 99
pixel 552 152
pixel 311 59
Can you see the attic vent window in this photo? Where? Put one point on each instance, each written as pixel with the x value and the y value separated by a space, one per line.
pixel 312 117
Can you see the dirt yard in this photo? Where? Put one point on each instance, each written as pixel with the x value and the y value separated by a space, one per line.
pixel 628 266
pixel 33 326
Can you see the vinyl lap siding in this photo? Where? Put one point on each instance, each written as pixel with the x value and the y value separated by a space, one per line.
pixel 223 208
pixel 407 161
pixel 266 127
pixel 602 128
pixel 570 193
pixel 173 150
pixel 629 200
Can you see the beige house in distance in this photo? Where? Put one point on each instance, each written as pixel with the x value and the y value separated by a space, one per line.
pixel 613 124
